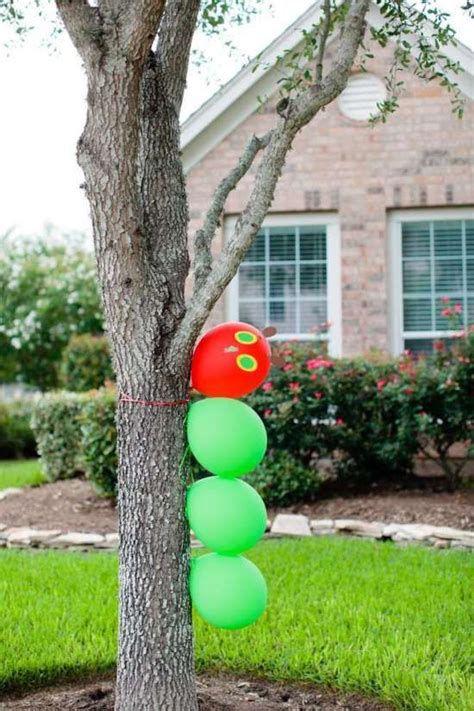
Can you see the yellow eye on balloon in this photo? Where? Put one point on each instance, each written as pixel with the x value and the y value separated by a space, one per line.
pixel 245 337
pixel 247 362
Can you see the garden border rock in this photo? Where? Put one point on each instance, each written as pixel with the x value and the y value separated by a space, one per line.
pixel 283 525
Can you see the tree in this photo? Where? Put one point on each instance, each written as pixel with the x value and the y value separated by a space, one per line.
pixel 49 293
pixel 135 54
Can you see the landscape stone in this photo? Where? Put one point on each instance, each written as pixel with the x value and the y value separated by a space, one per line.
pixel 19 536
pixel 291 525
pixel 369 529
pixel 75 538
pixel 9 492
pixel 322 526
pixel 43 536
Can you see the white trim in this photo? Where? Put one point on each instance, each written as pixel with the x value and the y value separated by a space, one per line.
pixel 395 220
pixel 334 293
pixel 238 99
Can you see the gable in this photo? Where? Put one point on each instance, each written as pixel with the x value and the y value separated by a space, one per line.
pixel 238 99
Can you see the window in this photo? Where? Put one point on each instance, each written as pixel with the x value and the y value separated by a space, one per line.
pixel 288 277
pixel 433 269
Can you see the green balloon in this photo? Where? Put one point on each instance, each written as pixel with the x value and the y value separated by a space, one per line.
pixel 227 515
pixel 226 436
pixel 228 591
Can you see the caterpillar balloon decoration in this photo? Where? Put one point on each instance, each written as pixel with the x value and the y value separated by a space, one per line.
pixel 229 440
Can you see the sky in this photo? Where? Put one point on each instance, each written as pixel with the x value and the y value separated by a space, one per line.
pixel 42 112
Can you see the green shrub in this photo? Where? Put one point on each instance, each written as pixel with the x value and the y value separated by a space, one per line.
pixel 99 440
pixel 56 424
pixel 16 436
pixel 86 363
pixel 282 480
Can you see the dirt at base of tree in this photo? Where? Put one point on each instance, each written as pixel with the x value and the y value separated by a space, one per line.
pixel 73 505
pixel 216 693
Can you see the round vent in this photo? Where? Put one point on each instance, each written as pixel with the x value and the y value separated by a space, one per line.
pixel 359 99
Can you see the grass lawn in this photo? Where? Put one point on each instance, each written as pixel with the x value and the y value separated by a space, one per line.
pixel 356 615
pixel 20 472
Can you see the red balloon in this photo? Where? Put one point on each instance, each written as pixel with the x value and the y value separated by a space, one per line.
pixel 230 360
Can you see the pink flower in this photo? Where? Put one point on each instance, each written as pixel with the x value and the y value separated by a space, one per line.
pixel 267 412
pixel 339 422
pixel 294 386
pixel 446 312
pixel 313 376
pixel 296 398
pixel 408 391
pixel 287 367
pixel 439 346
pixel 314 363
pixel 445 299
pixel 457 309
pixel 381 384
pixel 318 395
pixel 267 386
pixel 288 352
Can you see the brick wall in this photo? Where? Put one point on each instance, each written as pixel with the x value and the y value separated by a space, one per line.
pixel 423 157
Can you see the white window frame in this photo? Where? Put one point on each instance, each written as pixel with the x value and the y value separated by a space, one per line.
pixel 395 221
pixel 334 298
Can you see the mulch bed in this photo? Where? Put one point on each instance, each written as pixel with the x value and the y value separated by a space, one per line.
pixel 215 694
pixel 74 506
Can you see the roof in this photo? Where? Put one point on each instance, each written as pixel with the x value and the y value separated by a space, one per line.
pixel 238 98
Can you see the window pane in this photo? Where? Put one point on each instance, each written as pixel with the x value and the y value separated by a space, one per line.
pixel 416 239
pixel 256 253
pixel 470 274
pixel 448 275
pixel 282 244
pixel 283 316
pixel 313 280
pixel 448 323
pixel 448 238
pixel 312 315
pixel 419 345
pixel 253 313
pixel 470 310
pixel 270 290
pixel 252 282
pixel 282 281
pixel 416 276
pixel 312 243
pixel 417 315
pixel 470 237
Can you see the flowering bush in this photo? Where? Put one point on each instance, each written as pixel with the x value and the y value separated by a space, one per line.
pixel 49 293
pixel 371 416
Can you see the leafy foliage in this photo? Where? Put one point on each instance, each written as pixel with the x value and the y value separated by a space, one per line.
pixel 16 435
pixel 50 293
pixel 99 441
pixel 56 424
pixel 86 363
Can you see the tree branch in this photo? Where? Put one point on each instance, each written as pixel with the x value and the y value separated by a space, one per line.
pixel 323 39
pixel 204 236
pixel 82 23
pixel 300 111
pixel 174 45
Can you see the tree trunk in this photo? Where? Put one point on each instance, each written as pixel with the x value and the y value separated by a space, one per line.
pixel 155 668
pixel 134 180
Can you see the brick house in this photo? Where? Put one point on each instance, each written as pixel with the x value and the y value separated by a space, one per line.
pixel 370 226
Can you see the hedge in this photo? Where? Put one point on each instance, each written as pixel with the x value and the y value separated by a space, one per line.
pixel 16 436
pixel 370 418
pixel 86 363
pixel 56 423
